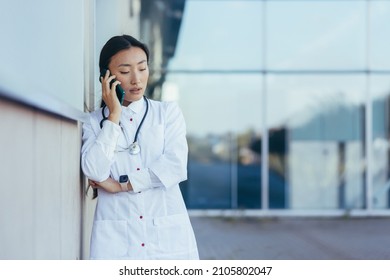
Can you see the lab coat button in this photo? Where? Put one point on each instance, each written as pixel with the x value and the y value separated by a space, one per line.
pixel 138 168
pixel 143 244
pixel 131 119
pixel 140 217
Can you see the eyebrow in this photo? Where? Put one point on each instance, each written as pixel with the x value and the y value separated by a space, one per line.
pixel 127 64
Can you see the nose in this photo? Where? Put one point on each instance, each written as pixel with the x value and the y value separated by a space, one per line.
pixel 135 78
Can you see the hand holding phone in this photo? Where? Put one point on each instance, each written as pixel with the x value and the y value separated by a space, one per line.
pixel 120 93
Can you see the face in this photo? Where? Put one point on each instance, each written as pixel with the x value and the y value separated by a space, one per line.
pixel 131 69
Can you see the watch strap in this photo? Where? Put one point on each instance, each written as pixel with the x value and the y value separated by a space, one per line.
pixel 124 186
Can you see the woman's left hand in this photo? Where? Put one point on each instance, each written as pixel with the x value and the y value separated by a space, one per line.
pixel 109 185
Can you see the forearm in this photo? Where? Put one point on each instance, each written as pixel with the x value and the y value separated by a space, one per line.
pixel 110 185
pixel 170 168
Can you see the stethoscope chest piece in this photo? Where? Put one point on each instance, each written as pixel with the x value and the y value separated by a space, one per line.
pixel 134 148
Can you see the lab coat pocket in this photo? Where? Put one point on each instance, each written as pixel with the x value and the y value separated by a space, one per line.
pixel 109 239
pixel 173 233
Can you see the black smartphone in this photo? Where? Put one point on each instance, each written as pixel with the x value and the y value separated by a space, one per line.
pixel 120 93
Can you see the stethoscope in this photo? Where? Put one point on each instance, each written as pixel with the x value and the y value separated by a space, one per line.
pixel 134 148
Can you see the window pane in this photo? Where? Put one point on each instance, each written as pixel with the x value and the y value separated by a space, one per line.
pixel 321 159
pixel 380 90
pixel 379 42
pixel 223 122
pixel 219 35
pixel 316 123
pixel 316 34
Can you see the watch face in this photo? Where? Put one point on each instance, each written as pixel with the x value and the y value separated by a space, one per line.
pixel 123 179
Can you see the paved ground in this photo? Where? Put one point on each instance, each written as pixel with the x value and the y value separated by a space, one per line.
pixel 292 238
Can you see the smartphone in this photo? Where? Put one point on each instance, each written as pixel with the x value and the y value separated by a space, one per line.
pixel 120 93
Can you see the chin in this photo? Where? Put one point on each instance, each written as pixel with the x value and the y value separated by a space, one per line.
pixel 133 98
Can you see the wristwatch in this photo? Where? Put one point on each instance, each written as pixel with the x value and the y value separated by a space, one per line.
pixel 123 179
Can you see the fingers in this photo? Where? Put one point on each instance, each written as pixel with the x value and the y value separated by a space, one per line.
pixel 114 84
pixel 109 84
pixel 106 83
pixel 93 184
pixel 106 75
pixel 109 95
pixel 106 80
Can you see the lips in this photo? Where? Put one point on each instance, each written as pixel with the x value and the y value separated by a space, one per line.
pixel 135 90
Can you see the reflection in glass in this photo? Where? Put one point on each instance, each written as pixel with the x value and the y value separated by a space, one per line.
pixel 379 43
pixel 220 35
pixel 380 91
pixel 319 152
pixel 225 74
pixel 223 116
pixel 316 34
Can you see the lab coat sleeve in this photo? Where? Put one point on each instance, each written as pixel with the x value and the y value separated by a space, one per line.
pixel 171 167
pixel 98 149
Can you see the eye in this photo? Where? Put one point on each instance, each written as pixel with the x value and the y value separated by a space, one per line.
pixel 124 73
pixel 143 69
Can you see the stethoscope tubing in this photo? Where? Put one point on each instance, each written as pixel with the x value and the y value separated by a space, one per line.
pixel 140 125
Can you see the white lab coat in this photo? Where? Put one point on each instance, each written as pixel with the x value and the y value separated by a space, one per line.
pixel 150 222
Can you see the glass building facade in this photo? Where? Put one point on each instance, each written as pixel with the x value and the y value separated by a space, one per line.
pixel 286 103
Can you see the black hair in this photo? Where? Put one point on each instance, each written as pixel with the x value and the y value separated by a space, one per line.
pixel 117 44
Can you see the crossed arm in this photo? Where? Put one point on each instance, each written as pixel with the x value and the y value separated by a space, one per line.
pixel 109 185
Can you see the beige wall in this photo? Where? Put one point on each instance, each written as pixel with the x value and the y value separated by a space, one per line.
pixel 42 201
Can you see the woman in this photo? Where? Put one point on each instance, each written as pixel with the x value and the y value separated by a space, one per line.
pixel 135 154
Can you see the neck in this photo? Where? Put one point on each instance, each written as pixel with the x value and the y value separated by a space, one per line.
pixel 126 103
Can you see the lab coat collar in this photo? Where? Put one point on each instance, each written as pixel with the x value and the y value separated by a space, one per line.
pixel 135 106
